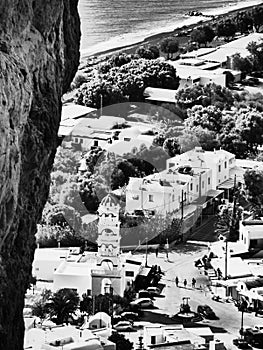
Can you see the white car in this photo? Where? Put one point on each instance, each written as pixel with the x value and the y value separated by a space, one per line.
pixel 123 326
pixel 142 303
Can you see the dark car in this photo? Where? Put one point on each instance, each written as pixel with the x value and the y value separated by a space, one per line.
pixel 206 312
pixel 241 343
pixel 130 316
pixel 250 81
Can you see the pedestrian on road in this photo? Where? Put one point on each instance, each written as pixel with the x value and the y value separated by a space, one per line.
pixel 185 283
pixel 193 282
pixel 176 281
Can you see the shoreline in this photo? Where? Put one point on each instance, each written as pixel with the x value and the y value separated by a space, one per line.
pixel 194 21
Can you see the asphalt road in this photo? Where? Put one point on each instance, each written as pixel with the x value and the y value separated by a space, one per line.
pixel 181 264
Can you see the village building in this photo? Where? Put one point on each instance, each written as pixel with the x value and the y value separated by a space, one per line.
pixel 105 271
pixel 66 337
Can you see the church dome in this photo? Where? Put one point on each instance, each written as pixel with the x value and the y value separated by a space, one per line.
pixel 109 201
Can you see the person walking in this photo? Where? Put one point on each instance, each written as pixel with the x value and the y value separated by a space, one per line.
pixel 185 283
pixel 193 282
pixel 176 281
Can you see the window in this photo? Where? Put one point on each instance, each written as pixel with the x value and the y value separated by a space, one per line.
pixel 96 142
pixel 76 140
pixel 209 181
pixel 219 168
pixel 150 198
pixel 129 273
pixel 37 268
pixel 135 197
pixel 127 139
pixel 80 140
pixel 197 188
pixel 191 187
pixel 173 198
pixel 203 184
pixel 153 339
pixel 225 165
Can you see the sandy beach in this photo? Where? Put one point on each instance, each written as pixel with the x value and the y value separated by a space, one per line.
pixel 129 42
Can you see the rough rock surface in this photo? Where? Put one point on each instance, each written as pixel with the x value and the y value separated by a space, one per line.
pixel 39 55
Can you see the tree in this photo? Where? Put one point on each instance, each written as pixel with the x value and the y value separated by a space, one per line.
pixel 66 161
pixel 99 93
pixel 242 63
pixel 171 146
pixel 150 53
pixel 254 185
pixel 249 124
pixel 169 46
pixel 257 17
pixel 155 51
pixel 41 307
pixel 226 28
pixel 209 118
pixel 227 222
pixel 120 341
pixel 63 304
pixel 208 95
pixel 86 303
pixel 243 21
pixel 203 35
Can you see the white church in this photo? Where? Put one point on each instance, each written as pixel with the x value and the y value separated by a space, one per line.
pixel 92 272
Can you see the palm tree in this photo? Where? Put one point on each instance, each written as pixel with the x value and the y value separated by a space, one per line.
pixel 63 304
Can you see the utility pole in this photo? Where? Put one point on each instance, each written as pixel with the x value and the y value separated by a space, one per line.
pixel 231 226
pixel 182 205
pixel 101 104
pixel 146 260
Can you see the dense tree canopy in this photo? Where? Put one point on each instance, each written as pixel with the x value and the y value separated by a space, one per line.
pixel 203 35
pixel 169 46
pixel 254 185
pixel 63 304
pixel 127 82
pixel 210 94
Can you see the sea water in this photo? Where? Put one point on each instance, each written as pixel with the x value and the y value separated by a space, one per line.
pixel 106 24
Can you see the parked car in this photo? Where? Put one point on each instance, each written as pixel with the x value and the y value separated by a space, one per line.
pixel 241 343
pixel 154 290
pixel 250 81
pixel 237 87
pixel 206 312
pixel 144 294
pixel 142 303
pixel 130 316
pixel 123 326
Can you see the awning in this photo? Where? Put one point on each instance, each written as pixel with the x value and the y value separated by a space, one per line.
pixel 214 193
pixel 202 201
pixel 227 184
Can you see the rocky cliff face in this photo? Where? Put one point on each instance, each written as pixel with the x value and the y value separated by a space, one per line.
pixel 39 55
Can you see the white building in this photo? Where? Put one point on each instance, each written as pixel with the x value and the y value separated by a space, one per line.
pixel 66 337
pixel 191 177
pixel 47 260
pixel 172 337
pixel 251 234
pixel 219 161
pixel 103 271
